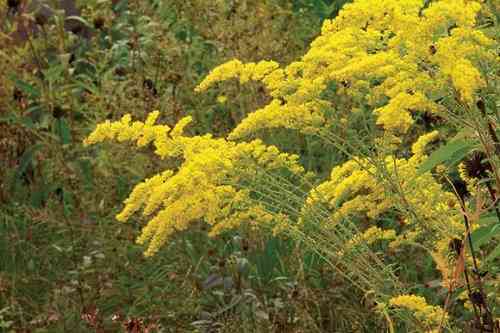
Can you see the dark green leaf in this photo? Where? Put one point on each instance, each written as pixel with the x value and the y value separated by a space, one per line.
pixel 68 203
pixel 448 154
pixel 484 234
pixel 63 131
pixel 28 88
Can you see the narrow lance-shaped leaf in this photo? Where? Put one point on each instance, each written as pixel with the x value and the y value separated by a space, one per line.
pixel 448 154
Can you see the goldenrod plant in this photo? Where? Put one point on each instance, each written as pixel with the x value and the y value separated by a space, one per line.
pixel 274 166
pixel 396 62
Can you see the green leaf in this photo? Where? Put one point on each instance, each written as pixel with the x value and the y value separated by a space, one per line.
pixel 448 154
pixel 494 254
pixel 86 168
pixel 27 88
pixel 488 219
pixel 63 131
pixel 68 203
pixel 484 234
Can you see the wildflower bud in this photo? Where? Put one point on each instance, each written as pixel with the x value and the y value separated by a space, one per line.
pixel 432 49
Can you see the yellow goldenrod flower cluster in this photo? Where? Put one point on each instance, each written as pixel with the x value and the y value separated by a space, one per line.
pixel 143 133
pixel 430 315
pixel 354 190
pixel 206 184
pixel 369 236
pixel 236 69
pixel 395 56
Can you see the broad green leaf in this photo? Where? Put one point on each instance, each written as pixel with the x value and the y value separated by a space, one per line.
pixel 484 234
pixel 489 219
pixel 448 154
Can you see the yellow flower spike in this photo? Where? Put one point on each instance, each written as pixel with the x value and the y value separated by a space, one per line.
pixel 391 42
pixel 353 190
pixel 418 148
pixel 172 200
pixel 368 237
pixel 179 127
pixel 430 315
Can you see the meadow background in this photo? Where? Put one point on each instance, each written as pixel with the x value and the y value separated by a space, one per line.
pixel 334 166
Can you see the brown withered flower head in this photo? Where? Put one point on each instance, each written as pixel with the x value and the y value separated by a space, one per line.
pixel 476 166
